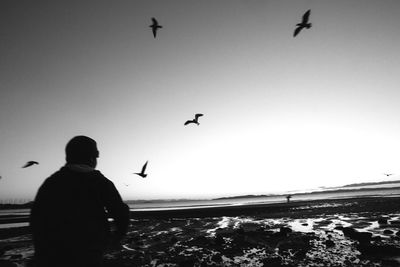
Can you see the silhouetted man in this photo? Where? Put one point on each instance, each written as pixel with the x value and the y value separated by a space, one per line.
pixel 69 217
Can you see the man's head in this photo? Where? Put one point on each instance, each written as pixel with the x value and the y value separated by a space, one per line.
pixel 82 150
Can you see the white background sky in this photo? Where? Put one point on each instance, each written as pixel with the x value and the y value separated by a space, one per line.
pixel 280 113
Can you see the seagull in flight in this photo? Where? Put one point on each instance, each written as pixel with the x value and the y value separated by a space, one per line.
pixel 303 24
pixel 155 26
pixel 388 174
pixel 30 163
pixel 196 119
pixel 142 174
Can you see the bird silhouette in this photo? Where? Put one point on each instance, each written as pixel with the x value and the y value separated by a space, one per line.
pixel 30 163
pixel 388 174
pixel 155 26
pixel 195 120
pixel 303 24
pixel 142 174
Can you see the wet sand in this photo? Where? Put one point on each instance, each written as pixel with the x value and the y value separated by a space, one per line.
pixel 348 232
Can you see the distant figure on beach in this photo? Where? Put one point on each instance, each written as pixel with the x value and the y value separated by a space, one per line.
pixel 69 217
pixel 30 163
pixel 288 197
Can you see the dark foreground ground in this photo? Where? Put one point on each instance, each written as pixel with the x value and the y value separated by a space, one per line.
pixel 352 232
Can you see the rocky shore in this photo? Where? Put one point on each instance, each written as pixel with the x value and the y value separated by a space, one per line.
pixel 351 232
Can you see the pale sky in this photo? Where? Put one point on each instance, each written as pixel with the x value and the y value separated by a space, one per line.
pixel 280 113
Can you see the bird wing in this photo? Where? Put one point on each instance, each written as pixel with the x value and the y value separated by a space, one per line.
pixel 197 116
pixel 297 30
pixel 144 167
pixel 188 122
pixel 306 16
pixel 27 164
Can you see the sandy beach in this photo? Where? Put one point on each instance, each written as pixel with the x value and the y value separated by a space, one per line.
pixel 346 232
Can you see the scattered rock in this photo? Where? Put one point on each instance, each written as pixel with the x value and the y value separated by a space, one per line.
pixel 240 231
pixel 250 227
pixel 272 262
pixel 187 263
pixel 224 231
pixel 389 263
pixel 362 237
pixel 6 263
pixel 139 243
pixel 217 258
pixel 219 240
pixel 379 250
pixel 285 230
pixel 339 227
pixel 349 232
pixel 297 243
pixel 388 232
pixel 16 256
pixel 8 247
pixel 329 243
pixel 377 238
pixel 382 221
pixel 395 223
pixel 199 241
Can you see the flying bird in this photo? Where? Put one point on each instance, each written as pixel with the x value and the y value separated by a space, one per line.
pixel 196 119
pixel 155 26
pixel 30 163
pixel 388 174
pixel 304 23
pixel 142 174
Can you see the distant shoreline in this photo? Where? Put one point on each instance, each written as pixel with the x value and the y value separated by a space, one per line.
pixel 282 209
pixel 310 193
pixel 319 192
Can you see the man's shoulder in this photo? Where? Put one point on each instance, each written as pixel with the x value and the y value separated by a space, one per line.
pixel 97 175
pixel 65 172
pixel 100 175
pixel 55 175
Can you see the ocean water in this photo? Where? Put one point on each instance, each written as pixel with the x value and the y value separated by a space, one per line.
pixel 382 191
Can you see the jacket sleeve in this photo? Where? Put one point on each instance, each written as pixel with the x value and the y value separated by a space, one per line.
pixel 38 216
pixel 117 209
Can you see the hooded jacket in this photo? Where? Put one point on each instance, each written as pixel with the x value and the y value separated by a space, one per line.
pixel 69 217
